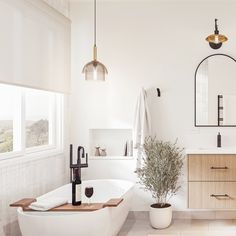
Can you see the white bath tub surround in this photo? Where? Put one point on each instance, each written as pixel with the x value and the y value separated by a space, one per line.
pixel 104 222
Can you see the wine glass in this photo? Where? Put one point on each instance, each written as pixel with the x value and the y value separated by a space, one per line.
pixel 89 193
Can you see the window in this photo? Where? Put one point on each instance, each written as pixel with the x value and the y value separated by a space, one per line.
pixel 30 120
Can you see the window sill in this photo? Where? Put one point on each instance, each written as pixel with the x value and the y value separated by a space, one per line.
pixel 20 158
pixel 40 149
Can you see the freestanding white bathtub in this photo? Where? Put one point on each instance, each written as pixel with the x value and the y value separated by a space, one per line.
pixel 104 222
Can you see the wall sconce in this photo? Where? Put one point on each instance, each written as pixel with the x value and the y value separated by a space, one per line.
pixel 215 40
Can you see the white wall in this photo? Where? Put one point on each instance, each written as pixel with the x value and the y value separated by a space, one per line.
pixel 150 44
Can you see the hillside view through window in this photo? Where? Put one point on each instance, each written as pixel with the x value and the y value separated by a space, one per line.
pixel 36 108
pixel 8 98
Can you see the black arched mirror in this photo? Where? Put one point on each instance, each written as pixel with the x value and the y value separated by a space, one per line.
pixel 215 92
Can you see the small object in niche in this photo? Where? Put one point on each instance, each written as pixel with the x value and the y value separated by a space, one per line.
pixel 219 140
pixel 97 151
pixel 103 152
pixel 126 149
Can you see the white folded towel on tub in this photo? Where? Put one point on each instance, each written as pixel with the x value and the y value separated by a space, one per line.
pixel 47 203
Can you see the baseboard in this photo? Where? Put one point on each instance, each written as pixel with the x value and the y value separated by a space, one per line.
pixel 198 215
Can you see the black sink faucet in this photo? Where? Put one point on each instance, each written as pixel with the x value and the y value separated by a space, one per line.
pixel 76 168
pixel 218 140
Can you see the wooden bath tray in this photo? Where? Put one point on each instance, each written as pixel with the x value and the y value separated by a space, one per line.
pixel 114 202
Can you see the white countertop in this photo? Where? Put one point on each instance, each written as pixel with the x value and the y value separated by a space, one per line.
pixel 226 150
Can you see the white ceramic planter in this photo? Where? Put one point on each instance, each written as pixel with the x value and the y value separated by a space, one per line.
pixel 160 217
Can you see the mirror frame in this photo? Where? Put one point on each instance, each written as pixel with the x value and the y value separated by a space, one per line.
pixel 195 93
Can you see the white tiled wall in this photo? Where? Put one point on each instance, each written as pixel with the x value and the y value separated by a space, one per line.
pixel 61 5
pixel 27 179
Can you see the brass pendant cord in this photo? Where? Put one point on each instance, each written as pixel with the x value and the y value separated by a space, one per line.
pixel 95 31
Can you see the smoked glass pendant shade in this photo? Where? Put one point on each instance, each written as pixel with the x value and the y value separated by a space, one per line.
pixel 95 70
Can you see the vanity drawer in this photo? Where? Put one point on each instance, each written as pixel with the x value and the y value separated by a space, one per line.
pixel 212 195
pixel 212 167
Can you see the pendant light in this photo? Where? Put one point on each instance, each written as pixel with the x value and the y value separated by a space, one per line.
pixel 95 70
pixel 215 40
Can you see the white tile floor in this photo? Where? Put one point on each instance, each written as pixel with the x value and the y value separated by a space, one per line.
pixel 181 228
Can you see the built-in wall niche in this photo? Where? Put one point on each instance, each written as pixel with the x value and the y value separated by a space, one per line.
pixel 116 142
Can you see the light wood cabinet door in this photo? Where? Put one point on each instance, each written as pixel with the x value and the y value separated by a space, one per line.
pixel 212 167
pixel 212 195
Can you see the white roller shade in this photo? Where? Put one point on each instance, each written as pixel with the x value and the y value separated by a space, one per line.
pixel 34 45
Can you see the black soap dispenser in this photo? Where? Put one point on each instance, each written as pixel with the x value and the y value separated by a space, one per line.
pixel 76 190
pixel 219 140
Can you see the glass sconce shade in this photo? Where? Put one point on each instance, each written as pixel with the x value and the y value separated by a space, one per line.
pixel 95 70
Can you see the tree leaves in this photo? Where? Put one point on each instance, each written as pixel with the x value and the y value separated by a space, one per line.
pixel 162 164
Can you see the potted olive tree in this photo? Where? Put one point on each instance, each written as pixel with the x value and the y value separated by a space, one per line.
pixel 159 174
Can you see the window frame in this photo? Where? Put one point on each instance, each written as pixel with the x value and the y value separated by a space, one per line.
pixel 56 125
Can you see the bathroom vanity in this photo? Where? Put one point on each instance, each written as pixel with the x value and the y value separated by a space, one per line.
pixel 212 171
pixel 211 179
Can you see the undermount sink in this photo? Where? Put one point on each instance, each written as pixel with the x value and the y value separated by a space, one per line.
pixel 211 150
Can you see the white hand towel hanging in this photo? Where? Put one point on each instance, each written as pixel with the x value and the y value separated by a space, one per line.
pixel 142 123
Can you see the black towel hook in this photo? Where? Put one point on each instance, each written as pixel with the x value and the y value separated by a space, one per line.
pixel 158 92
